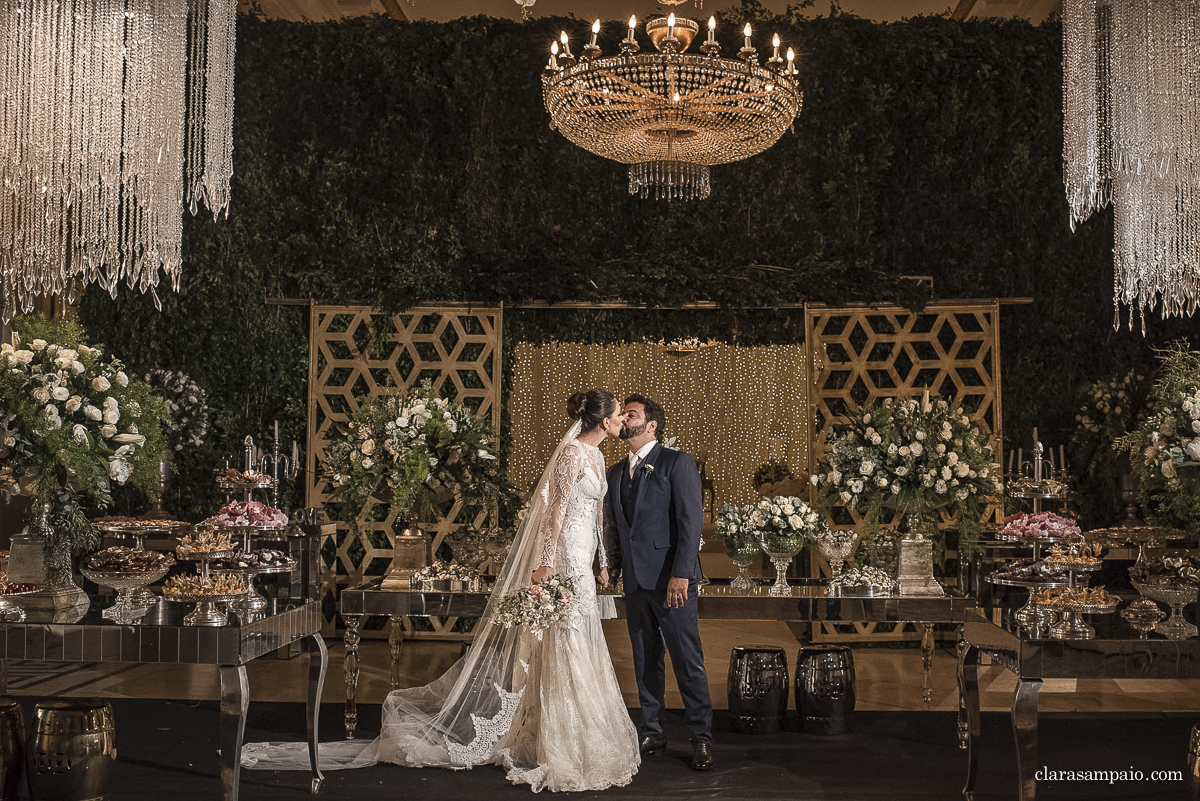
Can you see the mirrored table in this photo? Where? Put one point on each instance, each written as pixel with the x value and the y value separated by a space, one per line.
pixel 83 634
pixel 1118 651
pixel 808 603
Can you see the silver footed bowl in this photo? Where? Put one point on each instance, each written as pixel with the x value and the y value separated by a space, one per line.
pixel 1170 594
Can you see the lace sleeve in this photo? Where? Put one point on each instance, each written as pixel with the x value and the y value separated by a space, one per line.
pixel 566 473
pixel 601 524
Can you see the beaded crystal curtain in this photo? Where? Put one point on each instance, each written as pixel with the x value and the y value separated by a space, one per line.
pixel 1131 133
pixel 94 95
pixel 732 408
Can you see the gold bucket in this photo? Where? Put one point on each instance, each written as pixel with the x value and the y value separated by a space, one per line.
pixel 12 749
pixel 73 751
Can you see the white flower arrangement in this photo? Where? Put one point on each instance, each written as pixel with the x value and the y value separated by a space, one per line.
pixel 916 454
pixel 537 607
pixel 443 571
pixel 185 406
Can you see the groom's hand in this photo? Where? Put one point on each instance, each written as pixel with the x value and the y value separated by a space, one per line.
pixel 677 592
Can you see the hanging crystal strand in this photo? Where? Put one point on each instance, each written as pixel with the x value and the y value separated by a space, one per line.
pixel 1080 95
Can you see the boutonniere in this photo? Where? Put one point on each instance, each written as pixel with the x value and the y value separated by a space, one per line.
pixel 648 469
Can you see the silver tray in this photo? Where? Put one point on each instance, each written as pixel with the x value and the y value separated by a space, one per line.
pixel 185 555
pixel 1077 566
pixel 199 597
pixel 859 591
pixel 1026 583
pixel 1092 609
pixel 1003 537
pixel 256 571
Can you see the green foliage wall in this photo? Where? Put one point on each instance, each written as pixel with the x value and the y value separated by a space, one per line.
pixel 394 163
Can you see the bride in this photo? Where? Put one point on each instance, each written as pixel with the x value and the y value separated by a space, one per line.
pixel 548 710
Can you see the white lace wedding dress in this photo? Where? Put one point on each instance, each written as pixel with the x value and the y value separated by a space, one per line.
pixel 549 710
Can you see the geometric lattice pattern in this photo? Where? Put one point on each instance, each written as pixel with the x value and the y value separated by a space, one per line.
pixel 864 354
pixel 355 351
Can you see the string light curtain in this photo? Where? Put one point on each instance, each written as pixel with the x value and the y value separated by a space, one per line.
pixel 1130 137
pixel 98 112
pixel 734 409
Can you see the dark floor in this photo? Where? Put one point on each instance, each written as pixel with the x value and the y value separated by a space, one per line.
pixel 168 750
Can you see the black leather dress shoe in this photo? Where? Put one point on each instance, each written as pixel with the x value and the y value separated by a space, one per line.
pixel 702 755
pixel 653 743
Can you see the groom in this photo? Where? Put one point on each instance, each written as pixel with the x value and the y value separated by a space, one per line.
pixel 652 518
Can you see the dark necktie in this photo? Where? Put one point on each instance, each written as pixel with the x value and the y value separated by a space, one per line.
pixel 627 496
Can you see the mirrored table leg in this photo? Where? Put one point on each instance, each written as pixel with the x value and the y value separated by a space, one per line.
pixel 318 662
pixel 968 688
pixel 1025 721
pixel 395 640
pixel 351 670
pixel 926 660
pixel 235 698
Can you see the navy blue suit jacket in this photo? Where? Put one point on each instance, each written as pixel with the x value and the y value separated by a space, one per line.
pixel 663 539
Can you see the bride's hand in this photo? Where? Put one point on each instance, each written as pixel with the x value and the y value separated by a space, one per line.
pixel 606 579
pixel 541 574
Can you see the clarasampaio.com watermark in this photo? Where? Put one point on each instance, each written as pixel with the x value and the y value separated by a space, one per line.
pixel 1046 774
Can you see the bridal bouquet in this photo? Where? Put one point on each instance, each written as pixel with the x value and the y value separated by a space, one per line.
pixel 916 455
pixel 537 607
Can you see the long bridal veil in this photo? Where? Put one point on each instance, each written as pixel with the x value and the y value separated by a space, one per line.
pixel 454 721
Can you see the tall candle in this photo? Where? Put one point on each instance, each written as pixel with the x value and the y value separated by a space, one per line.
pixel 712 28
pixel 1011 454
pixel 747 33
pixel 277 431
pixel 595 30
pixel 1062 459
pixel 1020 460
pixel 295 454
pixel 775 44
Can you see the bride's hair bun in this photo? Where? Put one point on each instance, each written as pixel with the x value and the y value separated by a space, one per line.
pixel 591 407
pixel 576 405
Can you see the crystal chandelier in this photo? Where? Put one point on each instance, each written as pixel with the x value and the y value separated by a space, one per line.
pixel 670 115
pixel 1131 133
pixel 102 104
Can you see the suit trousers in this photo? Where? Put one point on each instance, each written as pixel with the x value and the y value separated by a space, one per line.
pixel 652 624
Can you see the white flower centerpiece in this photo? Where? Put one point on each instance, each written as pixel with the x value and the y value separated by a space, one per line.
pixel 786 523
pixel 413 456
pixel 919 456
pixel 73 424
pixel 743 543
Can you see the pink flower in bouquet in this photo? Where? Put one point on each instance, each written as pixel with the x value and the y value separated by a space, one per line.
pixel 535 591
pixel 566 598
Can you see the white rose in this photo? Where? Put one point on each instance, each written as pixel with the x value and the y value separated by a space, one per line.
pixel 41 394
pixel 895 489
pixel 947 473
pixel 845 496
pixel 108 431
pixel 1196 426
pixel 37 344
pixel 92 413
pixel 23 357
pixel 902 471
pixel 51 415
pixel 111 416
pixel 920 435
pixel 77 367
pixel 940 487
pixel 952 458
pixel 79 434
pixel 905 451
pixel 110 402
pixel 119 470
pixel 367 447
pixel 917 449
pixel 60 393
pixel 856 486
pixel 122 379
pixel 1193 449
pixel 881 481
pixel 100 383
pixel 940 448
pixel 368 463
pixel 962 469
pixel 10 442
pixel 795 522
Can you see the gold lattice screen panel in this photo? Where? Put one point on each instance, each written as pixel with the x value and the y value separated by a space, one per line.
pixel 732 408
pixel 864 354
pixel 356 352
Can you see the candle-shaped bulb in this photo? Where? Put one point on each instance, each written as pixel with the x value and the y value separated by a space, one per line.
pixel 562 37
pixel 775 44
pixel 791 59
pixel 712 28
pixel 746 33
pixel 554 49
pixel 671 24
pixel 632 25
pixel 595 30
pixel 676 97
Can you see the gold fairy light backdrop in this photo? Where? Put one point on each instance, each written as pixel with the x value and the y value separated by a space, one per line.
pixel 732 408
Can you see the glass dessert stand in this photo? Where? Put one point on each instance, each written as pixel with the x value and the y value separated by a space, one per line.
pixel 129 607
pixel 1071 626
pixel 781 556
pixel 1175 596
pixel 138 531
pixel 836 552
pixel 253 601
pixel 206 613
pixel 1031 615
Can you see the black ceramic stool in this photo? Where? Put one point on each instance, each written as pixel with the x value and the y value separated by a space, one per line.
pixel 12 749
pixel 758 688
pixel 72 751
pixel 825 688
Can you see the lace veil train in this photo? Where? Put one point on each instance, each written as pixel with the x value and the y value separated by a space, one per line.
pixel 454 721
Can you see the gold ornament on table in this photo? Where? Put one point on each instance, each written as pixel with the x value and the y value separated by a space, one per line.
pixel 670 115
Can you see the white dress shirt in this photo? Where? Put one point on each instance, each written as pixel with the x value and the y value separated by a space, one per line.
pixel 637 458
